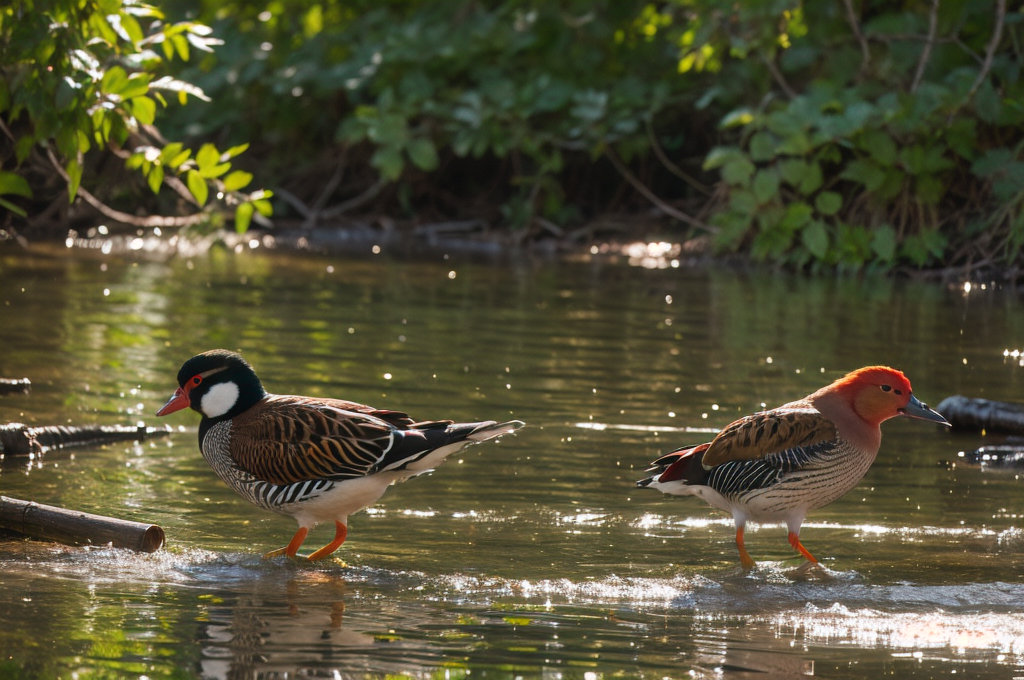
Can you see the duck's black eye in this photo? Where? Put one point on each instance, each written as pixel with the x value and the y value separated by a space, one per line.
pixel 196 380
pixel 887 388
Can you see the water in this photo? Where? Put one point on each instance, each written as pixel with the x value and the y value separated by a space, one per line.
pixel 533 557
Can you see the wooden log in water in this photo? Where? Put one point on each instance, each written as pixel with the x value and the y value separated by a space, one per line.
pixel 1002 456
pixel 964 413
pixel 77 528
pixel 18 439
pixel 8 386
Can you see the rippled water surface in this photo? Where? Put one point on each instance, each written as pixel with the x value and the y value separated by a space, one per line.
pixel 527 558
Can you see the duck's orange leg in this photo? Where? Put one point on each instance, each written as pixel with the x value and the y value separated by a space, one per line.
pixel 340 532
pixel 292 549
pixel 794 541
pixel 745 559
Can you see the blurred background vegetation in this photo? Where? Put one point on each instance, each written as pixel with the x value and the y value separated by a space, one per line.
pixel 841 133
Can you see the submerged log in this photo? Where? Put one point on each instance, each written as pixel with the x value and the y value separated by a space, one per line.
pixel 77 528
pixel 1002 456
pixel 981 414
pixel 8 386
pixel 19 439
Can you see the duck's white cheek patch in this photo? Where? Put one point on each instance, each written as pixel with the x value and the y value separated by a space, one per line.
pixel 220 399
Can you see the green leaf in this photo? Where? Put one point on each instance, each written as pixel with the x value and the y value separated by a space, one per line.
pixel 233 151
pixel 423 153
pixel 762 146
pixel 237 180
pixel 812 181
pixel 11 183
pixel 828 202
pixel 880 146
pixel 177 161
pixel 170 151
pixel 144 110
pixel 388 160
pixel 389 129
pixel 74 170
pixel 798 144
pixel 987 102
pixel 156 178
pixel 13 208
pixel 918 159
pixel 738 171
pixel 766 185
pixel 797 215
pixel 114 80
pixel 263 207
pixel 815 238
pixel 243 216
pixel 720 155
pixel 883 243
pixel 213 171
pixel 865 172
pixel 736 118
pixel 137 86
pixel 793 170
pixel 992 161
pixel 207 157
pixel 783 123
pixel 197 185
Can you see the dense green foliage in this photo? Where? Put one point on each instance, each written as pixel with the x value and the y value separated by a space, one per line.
pixel 77 75
pixel 842 132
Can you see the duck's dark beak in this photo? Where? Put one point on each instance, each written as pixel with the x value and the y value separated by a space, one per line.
pixel 919 410
pixel 178 401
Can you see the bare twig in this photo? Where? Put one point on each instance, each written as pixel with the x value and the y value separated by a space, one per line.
pixel 135 221
pixel 855 27
pixel 777 75
pixel 352 203
pixel 332 183
pixel 7 130
pixel 990 53
pixel 650 196
pixel 672 167
pixel 926 53
pixel 891 37
pixel 294 201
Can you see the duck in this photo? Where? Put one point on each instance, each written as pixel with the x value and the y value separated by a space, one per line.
pixel 777 465
pixel 317 460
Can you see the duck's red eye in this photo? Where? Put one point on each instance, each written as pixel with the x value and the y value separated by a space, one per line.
pixel 196 380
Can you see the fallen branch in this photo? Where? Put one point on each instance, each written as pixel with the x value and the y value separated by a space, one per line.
pixel 107 211
pixel 964 413
pixel 650 195
pixel 672 167
pixel 8 386
pixel 999 456
pixel 77 528
pixel 17 439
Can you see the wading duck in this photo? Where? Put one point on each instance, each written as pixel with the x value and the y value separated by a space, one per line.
pixel 318 460
pixel 777 465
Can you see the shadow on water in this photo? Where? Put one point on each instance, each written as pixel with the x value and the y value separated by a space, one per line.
pixel 535 556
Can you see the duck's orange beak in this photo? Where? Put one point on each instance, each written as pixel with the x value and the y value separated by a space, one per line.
pixel 178 401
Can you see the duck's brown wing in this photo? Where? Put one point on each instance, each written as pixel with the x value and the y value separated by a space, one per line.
pixel 771 432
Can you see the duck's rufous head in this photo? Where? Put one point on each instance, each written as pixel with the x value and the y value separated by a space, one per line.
pixel 877 393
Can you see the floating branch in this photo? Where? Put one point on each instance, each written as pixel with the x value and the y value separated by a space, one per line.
pixel 1006 456
pixel 18 439
pixel 8 386
pixel 981 414
pixel 77 528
